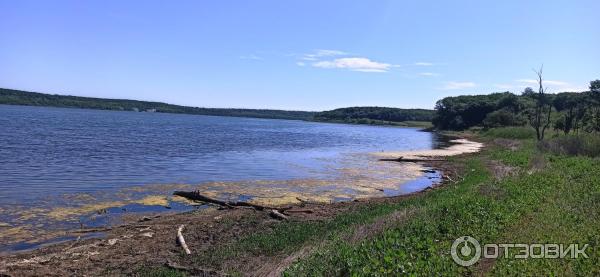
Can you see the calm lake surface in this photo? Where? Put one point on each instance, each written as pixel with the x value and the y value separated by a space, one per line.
pixel 62 169
pixel 45 151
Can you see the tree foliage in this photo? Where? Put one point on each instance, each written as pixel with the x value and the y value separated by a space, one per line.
pixel 566 111
pixel 595 86
pixel 17 97
pixel 463 112
pixel 356 114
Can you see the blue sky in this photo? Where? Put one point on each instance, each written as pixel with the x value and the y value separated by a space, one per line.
pixel 302 55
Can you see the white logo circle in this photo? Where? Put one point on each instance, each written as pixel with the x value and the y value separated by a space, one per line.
pixel 465 251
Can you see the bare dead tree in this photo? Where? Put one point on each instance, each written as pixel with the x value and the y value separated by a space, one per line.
pixel 540 118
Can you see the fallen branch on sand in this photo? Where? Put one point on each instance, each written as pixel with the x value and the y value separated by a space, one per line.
pixel 299 211
pixel 195 195
pixel 402 159
pixel 91 230
pixel 181 240
pixel 304 202
pixel 276 214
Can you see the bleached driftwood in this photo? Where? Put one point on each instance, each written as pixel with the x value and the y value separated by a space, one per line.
pixel 181 240
pixel 418 160
pixel 276 214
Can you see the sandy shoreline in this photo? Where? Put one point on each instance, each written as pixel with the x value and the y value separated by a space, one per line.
pixel 460 146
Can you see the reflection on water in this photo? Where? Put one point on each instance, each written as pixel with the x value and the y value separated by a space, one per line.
pixel 66 168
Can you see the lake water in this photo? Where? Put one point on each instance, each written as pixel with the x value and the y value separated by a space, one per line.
pixel 49 155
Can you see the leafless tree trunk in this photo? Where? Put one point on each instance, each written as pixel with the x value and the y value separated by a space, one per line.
pixel 540 120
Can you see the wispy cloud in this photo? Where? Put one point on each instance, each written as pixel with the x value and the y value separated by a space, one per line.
pixel 429 74
pixel 458 85
pixel 321 53
pixel 504 86
pixel 300 63
pixel 554 85
pixel 354 64
pixel 547 82
pixel 423 63
pixel 251 57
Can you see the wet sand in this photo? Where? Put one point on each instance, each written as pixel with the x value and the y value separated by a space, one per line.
pixel 459 146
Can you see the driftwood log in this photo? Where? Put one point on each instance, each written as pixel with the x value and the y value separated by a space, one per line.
pixel 197 196
pixel 277 213
pixel 91 230
pixel 402 159
pixel 181 240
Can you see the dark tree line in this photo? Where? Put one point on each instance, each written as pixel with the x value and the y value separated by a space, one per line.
pixel 566 112
pixel 354 114
pixel 492 110
pixel 17 97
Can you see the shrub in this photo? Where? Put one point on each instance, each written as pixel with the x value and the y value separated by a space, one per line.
pixel 574 145
pixel 510 133
pixel 502 118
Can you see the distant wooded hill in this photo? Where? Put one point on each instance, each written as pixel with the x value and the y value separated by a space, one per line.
pixel 374 115
pixel 17 97
pixel 565 111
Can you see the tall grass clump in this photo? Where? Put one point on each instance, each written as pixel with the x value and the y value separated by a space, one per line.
pixel 573 145
pixel 510 133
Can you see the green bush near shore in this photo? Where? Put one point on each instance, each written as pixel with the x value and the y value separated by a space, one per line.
pixel 573 145
pixel 510 133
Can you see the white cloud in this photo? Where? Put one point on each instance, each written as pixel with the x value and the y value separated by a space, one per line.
pixel 250 57
pixel 573 89
pixel 354 64
pixel 300 64
pixel 458 85
pixel 429 74
pixel 547 82
pixel 504 86
pixel 320 53
pixel 527 81
pixel 554 85
pixel 423 64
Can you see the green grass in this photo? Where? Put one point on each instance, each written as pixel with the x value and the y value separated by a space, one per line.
pixel 510 133
pixel 570 214
pixel 521 158
pixel 159 272
pixel 573 145
pixel 558 204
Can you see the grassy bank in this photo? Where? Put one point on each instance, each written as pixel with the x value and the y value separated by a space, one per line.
pixel 512 192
